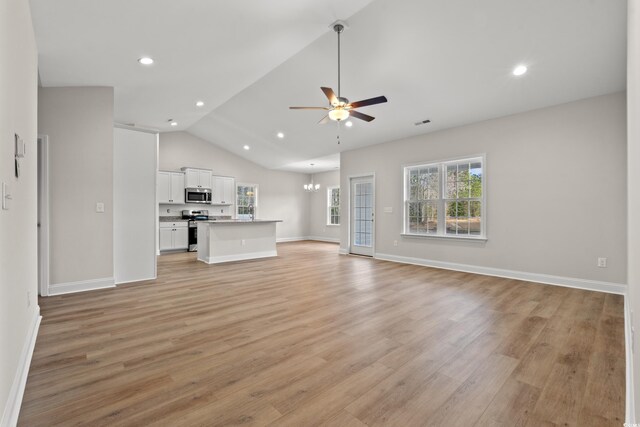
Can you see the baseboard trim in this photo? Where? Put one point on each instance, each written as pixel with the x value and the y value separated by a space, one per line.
pixel 16 393
pixel 239 257
pixel 135 280
pixel 569 282
pixel 290 239
pixel 323 239
pixel 81 286
pixel 630 414
pixel 343 251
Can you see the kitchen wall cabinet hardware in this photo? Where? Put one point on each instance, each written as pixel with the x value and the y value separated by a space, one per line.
pixel 170 187
pixel 197 178
pixel 174 235
pixel 224 190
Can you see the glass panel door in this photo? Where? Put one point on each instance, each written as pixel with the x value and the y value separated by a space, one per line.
pixel 362 216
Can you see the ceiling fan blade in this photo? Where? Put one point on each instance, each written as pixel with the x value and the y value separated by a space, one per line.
pixel 333 100
pixel 324 120
pixel 359 115
pixel 308 108
pixel 370 101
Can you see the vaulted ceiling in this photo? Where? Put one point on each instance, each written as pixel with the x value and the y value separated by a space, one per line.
pixel 449 61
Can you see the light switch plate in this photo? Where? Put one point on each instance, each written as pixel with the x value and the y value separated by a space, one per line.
pixel 100 207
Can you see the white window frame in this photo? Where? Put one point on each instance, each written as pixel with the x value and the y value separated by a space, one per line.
pixel 329 206
pixel 255 204
pixel 441 232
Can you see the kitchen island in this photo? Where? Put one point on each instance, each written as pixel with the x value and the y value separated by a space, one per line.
pixel 236 240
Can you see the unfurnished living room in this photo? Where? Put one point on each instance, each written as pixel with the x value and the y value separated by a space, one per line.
pixel 319 213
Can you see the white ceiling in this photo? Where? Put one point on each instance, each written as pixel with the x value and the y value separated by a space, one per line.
pixel 446 60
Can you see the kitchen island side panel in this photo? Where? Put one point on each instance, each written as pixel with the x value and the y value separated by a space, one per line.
pixel 235 241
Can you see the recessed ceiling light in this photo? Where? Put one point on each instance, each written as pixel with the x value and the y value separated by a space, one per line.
pixel 280 135
pixel 519 70
pixel 174 123
pixel 199 104
pixel 349 124
pixel 246 147
pixel 145 60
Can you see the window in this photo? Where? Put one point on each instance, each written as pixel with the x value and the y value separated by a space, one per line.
pixel 246 201
pixel 333 206
pixel 445 199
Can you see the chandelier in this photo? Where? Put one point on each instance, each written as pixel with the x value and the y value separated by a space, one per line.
pixel 311 187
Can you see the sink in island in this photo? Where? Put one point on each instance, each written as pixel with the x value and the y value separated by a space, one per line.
pixel 235 240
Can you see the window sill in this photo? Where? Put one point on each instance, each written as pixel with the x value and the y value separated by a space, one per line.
pixel 437 236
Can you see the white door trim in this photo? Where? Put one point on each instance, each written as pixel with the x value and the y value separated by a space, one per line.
pixel 43 215
pixel 350 178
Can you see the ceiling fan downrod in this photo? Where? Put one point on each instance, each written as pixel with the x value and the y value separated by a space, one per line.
pixel 338 28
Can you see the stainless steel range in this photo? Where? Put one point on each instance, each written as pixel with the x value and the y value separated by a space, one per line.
pixel 194 216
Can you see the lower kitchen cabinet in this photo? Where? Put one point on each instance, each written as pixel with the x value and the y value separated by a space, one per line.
pixel 174 235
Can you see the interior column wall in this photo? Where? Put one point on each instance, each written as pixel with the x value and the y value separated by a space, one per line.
pixel 633 182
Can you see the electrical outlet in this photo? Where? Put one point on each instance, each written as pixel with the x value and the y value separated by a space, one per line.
pixel 243 242
pixel 395 243
pixel 100 207
pixel 602 262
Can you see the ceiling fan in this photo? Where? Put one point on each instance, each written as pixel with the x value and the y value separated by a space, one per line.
pixel 340 108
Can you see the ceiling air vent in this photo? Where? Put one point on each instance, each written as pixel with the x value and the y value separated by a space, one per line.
pixel 423 122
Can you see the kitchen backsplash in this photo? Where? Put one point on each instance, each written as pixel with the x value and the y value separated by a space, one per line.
pixel 176 210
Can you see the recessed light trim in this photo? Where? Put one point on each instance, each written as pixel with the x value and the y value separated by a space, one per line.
pixel 280 135
pixel 520 70
pixel 200 104
pixel 145 60
pixel 349 124
pixel 174 123
pixel 246 147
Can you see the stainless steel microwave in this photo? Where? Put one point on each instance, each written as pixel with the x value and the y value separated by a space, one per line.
pixel 197 195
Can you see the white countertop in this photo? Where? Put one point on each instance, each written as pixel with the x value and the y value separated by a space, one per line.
pixel 238 221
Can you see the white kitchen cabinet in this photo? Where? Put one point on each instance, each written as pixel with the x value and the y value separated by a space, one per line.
pixel 174 235
pixel 170 187
pixel 197 178
pixel 224 190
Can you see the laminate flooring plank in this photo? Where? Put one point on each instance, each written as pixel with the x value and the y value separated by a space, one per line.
pixel 512 406
pixel 314 338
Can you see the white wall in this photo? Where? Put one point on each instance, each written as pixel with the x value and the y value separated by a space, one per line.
pixel 633 158
pixel 556 190
pixel 318 228
pixel 18 233
pixel 79 123
pixel 280 194
pixel 135 162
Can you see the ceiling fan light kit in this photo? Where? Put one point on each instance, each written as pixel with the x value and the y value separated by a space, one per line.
pixel 338 114
pixel 339 107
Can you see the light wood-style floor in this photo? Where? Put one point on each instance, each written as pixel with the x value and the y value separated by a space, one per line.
pixel 314 338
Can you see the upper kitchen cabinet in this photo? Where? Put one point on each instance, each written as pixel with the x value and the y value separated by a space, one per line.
pixel 197 178
pixel 224 191
pixel 170 187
